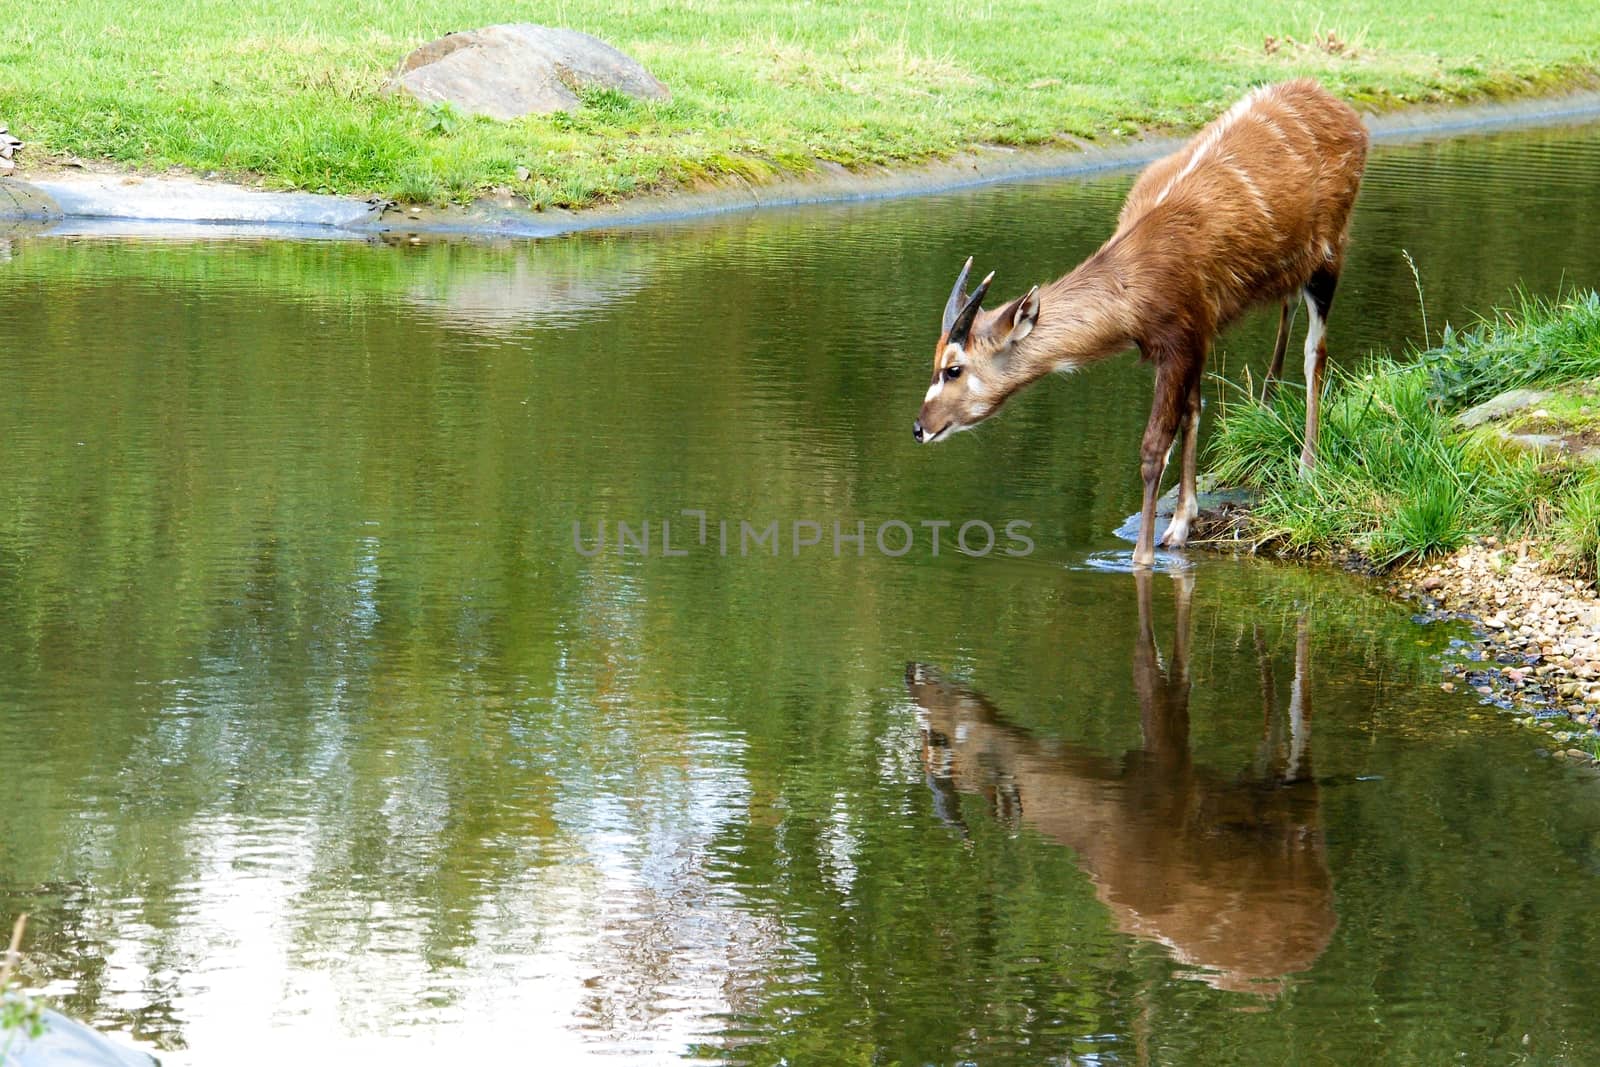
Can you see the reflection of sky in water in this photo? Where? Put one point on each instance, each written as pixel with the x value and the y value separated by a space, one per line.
pixel 623 940
pixel 615 933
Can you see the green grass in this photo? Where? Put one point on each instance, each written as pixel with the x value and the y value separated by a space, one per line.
pixel 1578 529
pixel 290 91
pixel 1532 344
pixel 1396 480
pixel 1576 410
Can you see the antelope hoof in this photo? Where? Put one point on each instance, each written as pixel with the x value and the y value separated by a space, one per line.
pixel 1177 535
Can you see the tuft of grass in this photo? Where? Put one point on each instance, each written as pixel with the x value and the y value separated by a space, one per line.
pixel 443 118
pixel 1430 522
pixel 1422 301
pixel 1535 342
pixel 1577 531
pixel 1517 490
pixel 1396 479
pixel 293 92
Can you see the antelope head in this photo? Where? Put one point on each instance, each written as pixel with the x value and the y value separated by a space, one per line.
pixel 972 375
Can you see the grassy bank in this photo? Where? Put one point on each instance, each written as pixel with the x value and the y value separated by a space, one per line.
pixel 1399 479
pixel 291 91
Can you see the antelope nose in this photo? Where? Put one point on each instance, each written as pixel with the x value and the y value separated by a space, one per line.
pixel 916 429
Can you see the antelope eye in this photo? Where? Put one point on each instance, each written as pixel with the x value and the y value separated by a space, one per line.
pixel 952 372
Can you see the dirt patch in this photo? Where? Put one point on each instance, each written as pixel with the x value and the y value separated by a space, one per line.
pixel 1574 441
pixel 1224 526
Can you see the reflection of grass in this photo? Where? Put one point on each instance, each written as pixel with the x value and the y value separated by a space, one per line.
pixel 1396 480
pixel 341 274
pixel 292 91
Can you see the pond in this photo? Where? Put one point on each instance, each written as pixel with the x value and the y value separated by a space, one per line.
pixel 332 732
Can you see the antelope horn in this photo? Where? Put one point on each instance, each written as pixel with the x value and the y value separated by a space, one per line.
pixel 958 296
pixel 962 326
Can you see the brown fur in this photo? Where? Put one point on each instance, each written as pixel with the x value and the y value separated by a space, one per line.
pixel 1255 208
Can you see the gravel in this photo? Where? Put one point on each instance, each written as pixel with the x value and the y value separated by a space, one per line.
pixel 1537 643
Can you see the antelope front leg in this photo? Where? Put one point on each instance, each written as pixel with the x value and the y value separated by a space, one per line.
pixel 1144 550
pixel 1188 508
pixel 1155 450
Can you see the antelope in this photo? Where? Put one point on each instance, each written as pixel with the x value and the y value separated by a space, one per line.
pixel 1229 873
pixel 1254 209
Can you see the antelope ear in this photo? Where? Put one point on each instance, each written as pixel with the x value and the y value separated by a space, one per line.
pixel 1017 318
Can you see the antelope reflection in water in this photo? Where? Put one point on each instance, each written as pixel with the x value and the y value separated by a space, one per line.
pixel 1229 873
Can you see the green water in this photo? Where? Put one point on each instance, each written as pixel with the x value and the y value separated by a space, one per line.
pixel 322 741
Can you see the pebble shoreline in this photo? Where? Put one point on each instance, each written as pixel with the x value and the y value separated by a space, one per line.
pixel 1536 646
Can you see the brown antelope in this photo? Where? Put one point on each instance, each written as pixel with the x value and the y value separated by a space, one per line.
pixel 1255 208
pixel 1229 873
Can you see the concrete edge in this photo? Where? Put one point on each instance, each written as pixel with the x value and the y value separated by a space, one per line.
pixel 122 205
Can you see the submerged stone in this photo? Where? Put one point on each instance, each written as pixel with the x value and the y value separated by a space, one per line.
pixel 1219 506
pixel 510 70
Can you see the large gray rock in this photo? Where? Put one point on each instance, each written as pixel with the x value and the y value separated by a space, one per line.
pixel 517 69
pixel 1507 403
pixel 1219 505
pixel 112 196
pixel 68 1043
pixel 8 149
